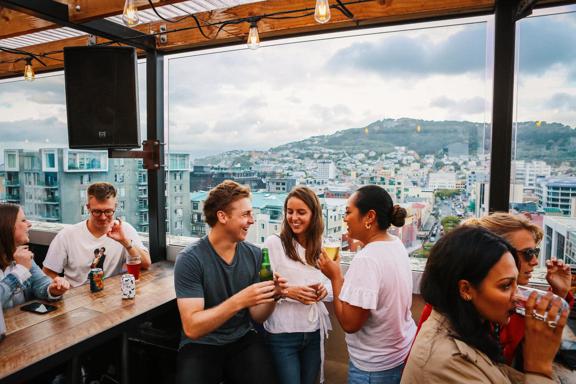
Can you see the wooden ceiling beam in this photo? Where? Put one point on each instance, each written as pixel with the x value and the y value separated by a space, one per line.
pixel 14 23
pixel 377 12
pixel 367 13
pixel 12 65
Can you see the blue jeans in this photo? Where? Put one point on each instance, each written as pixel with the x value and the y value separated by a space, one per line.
pixel 390 376
pixel 296 356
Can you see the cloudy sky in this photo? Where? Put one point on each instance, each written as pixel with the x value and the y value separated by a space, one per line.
pixel 293 89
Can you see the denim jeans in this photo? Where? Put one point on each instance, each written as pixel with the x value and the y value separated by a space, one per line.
pixel 296 356
pixel 390 376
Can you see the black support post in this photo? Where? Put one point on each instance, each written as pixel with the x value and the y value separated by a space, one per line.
pixel 503 104
pixel 156 178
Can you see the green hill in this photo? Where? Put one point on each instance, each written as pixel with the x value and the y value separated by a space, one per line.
pixel 551 142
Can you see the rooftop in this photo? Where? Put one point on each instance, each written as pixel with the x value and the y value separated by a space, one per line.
pixel 560 181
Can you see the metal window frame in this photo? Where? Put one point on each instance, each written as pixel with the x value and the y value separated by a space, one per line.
pixel 506 13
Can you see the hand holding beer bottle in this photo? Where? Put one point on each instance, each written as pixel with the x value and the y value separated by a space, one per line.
pixel 266 274
pixel 265 268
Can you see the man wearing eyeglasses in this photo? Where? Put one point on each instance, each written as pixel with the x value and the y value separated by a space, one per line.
pixel 72 250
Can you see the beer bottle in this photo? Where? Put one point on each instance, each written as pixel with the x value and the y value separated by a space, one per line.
pixel 265 269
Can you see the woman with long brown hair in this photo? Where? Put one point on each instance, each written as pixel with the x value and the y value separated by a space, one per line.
pixel 20 278
pixel 298 325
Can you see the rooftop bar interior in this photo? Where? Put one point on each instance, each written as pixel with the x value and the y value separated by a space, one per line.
pixel 479 97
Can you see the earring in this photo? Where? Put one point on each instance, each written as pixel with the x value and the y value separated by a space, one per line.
pixel 368 225
pixel 467 298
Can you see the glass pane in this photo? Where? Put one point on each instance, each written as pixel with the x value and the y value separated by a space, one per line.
pixel 543 181
pixel 406 109
pixel 42 174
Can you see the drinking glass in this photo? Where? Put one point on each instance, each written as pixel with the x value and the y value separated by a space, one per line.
pixel 332 247
pixel 133 266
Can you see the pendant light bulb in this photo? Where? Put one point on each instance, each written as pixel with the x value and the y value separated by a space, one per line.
pixel 28 70
pixel 253 38
pixel 130 16
pixel 322 11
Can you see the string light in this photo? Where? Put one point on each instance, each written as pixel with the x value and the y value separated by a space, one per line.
pixel 253 37
pixel 130 15
pixel 322 11
pixel 29 70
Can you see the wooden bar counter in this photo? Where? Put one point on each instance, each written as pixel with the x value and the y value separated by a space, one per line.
pixel 83 320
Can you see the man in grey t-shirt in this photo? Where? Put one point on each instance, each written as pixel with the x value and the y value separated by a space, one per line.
pixel 218 292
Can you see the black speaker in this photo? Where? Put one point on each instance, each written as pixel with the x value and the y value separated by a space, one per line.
pixel 102 97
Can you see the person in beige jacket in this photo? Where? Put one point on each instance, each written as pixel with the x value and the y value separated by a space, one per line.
pixel 470 280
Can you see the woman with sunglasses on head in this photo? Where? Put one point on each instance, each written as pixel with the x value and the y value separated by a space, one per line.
pixel 470 280
pixel 21 279
pixel 373 302
pixel 524 236
pixel 297 327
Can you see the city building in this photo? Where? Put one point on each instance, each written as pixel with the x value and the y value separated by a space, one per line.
pixel 2 188
pixel 481 196
pixel 326 170
pixel 556 192
pixel 179 209
pixel 333 210
pixel 530 172
pixel 340 191
pixel 204 177
pixel 559 239
pixel 442 180
pixel 282 184
pixel 50 184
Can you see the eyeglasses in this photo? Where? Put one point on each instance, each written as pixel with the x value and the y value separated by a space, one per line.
pixel 99 212
pixel 529 253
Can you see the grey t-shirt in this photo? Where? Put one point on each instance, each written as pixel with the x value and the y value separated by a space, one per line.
pixel 199 272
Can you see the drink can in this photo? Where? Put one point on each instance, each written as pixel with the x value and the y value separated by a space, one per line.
pixel 96 279
pixel 128 286
pixel 573 285
pixel 521 296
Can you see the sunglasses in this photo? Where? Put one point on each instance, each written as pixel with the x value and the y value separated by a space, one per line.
pixel 529 253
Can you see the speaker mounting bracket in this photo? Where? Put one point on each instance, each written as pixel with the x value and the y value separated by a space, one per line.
pixel 150 154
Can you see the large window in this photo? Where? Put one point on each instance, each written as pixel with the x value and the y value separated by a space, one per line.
pixel 41 174
pixel 403 108
pixel 543 182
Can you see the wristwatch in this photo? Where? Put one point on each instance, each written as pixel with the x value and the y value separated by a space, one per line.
pixel 129 247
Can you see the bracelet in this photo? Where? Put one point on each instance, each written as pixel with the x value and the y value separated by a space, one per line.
pixel 130 246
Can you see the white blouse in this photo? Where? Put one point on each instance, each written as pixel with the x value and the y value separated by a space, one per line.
pixel 291 315
pixel 380 279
